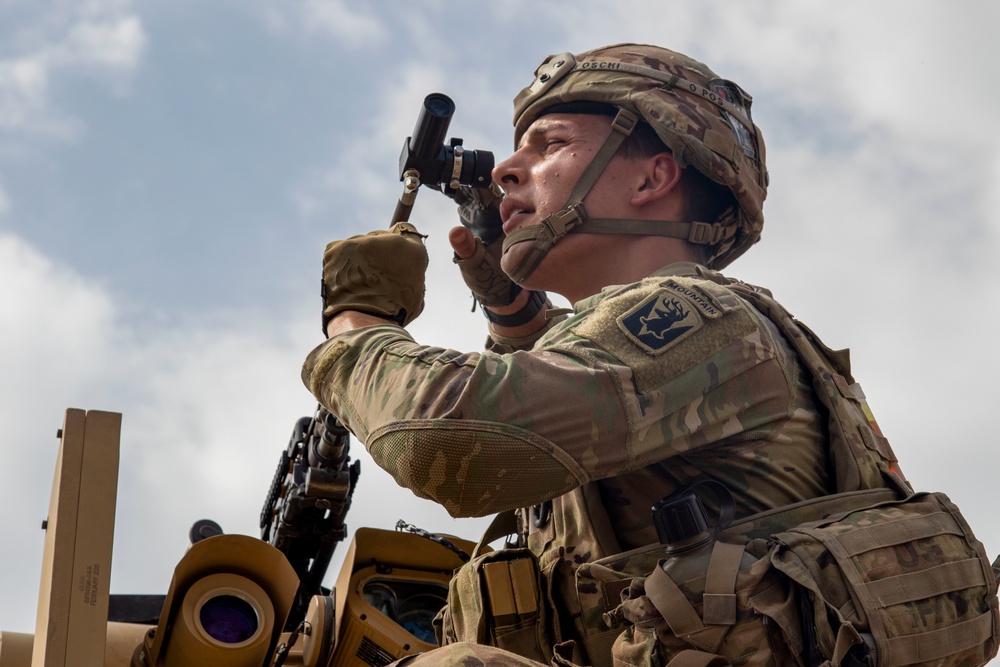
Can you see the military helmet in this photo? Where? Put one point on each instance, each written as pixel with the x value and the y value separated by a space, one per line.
pixel 704 120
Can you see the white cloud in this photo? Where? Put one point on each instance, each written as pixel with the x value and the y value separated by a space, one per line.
pixel 362 171
pixel 116 44
pixel 348 24
pixel 45 307
pixel 23 95
pixel 104 40
pixel 207 409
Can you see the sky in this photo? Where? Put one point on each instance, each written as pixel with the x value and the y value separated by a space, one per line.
pixel 171 170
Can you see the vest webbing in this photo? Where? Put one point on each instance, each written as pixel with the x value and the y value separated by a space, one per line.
pixel 861 459
pixel 862 463
pixel 860 455
pixel 912 587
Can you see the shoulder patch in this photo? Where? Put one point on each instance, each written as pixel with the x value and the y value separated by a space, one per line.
pixel 708 305
pixel 677 315
pixel 665 318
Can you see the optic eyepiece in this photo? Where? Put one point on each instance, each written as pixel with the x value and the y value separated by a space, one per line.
pixel 439 104
pixel 432 126
pixel 436 163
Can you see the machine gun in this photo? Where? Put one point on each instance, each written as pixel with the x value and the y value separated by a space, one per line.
pixel 303 515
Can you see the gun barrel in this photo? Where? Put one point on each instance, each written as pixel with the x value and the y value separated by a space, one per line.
pixel 303 515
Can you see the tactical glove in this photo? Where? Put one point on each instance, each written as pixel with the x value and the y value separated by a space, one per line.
pixel 380 273
pixel 482 273
pixel 479 211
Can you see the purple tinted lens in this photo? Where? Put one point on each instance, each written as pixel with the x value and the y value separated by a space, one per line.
pixel 228 619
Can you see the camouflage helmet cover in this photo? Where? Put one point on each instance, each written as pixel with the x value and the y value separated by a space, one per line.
pixel 703 119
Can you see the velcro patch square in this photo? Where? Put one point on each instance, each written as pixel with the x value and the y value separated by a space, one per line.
pixel 662 320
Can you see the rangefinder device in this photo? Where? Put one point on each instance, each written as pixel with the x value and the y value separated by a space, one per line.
pixel 427 160
pixel 438 164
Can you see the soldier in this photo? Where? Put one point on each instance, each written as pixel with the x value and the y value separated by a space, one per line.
pixel 637 174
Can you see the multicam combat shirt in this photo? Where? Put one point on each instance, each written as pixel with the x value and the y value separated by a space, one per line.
pixel 644 388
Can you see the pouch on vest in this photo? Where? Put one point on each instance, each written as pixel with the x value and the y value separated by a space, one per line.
pixel 922 598
pixel 497 599
pixel 908 576
pixel 709 600
pixel 740 612
pixel 894 582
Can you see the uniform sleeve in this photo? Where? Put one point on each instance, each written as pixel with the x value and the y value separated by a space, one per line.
pixel 480 433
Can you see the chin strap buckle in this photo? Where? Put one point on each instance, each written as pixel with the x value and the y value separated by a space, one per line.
pixel 560 224
pixel 705 233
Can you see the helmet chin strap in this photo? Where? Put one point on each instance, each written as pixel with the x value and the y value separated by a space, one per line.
pixel 546 234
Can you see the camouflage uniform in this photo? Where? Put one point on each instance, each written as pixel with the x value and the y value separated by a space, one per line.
pixel 644 388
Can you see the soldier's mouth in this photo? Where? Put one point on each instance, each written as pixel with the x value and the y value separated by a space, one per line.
pixel 513 213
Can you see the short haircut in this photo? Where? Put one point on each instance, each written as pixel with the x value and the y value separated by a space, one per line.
pixel 704 199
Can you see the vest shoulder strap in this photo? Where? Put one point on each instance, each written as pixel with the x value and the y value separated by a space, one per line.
pixel 860 456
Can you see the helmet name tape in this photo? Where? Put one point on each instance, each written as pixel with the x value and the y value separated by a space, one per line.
pixel 600 65
pixel 672 81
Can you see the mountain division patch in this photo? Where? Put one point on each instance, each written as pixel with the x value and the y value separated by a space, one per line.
pixel 664 319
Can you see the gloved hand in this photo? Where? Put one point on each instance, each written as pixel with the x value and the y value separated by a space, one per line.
pixel 480 268
pixel 479 210
pixel 380 273
pixel 478 251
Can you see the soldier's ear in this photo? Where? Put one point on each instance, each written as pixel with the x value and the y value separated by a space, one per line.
pixel 660 177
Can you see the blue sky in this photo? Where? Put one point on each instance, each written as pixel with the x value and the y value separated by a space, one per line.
pixel 171 170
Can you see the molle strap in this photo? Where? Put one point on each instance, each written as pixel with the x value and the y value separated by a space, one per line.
pixel 719 606
pixel 672 604
pixel 912 587
pixel 938 580
pixel 927 647
pixel 680 614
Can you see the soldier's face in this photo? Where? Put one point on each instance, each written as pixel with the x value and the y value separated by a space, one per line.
pixel 538 179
